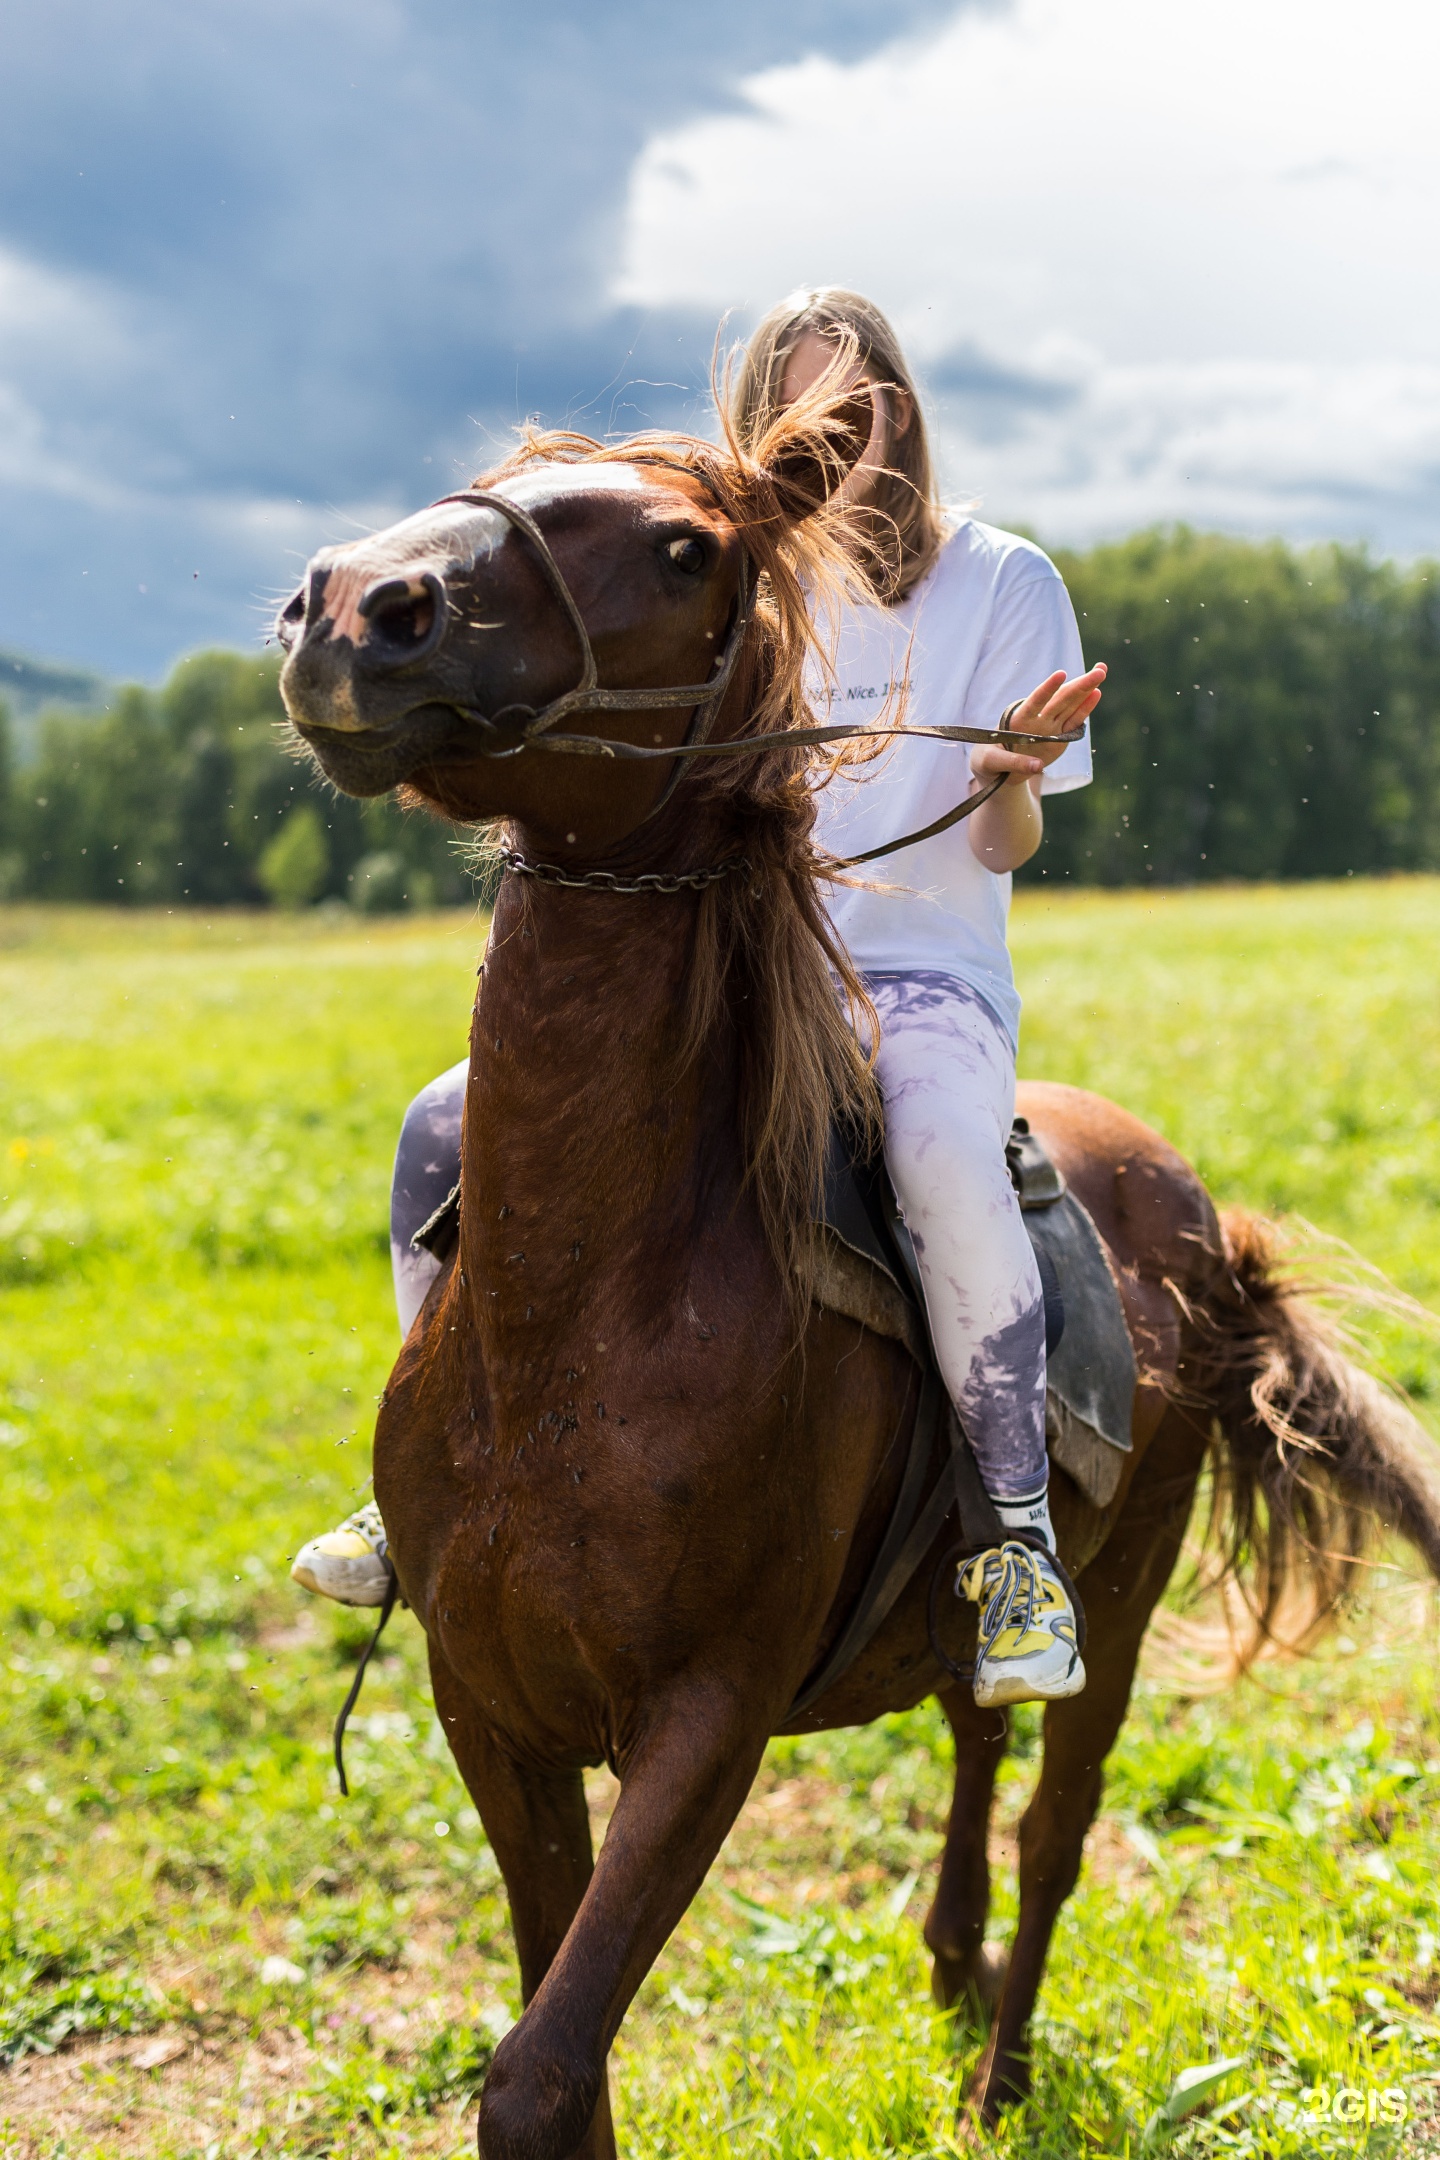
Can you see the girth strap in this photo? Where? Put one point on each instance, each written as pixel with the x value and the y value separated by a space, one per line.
pixel 894 1563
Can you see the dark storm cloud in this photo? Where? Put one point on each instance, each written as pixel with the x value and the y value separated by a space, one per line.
pixel 990 401
pixel 271 258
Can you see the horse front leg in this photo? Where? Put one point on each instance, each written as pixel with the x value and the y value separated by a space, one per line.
pixel 682 1786
pixel 538 1826
pixel 964 1973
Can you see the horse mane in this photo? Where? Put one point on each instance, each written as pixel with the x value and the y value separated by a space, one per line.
pixel 764 955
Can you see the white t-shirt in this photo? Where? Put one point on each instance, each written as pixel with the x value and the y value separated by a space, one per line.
pixel 986 624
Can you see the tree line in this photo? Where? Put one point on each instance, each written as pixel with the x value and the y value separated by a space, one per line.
pixel 1270 713
pixel 189 796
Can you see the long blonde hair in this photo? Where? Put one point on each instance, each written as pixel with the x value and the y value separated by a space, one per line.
pixel 899 523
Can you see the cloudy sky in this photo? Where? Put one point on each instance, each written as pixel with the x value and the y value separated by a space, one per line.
pixel 269 273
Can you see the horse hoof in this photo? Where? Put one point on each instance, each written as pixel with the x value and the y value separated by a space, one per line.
pixel 970 1984
pixel 978 2116
pixel 972 2134
pixel 539 2104
pixel 1001 2082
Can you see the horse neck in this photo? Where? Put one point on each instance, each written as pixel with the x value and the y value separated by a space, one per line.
pixel 588 1145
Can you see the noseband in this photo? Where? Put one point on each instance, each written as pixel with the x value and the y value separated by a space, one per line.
pixel 537 731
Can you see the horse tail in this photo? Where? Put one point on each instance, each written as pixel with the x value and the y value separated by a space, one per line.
pixel 1315 1464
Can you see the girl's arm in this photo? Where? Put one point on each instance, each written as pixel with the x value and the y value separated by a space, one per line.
pixel 1005 832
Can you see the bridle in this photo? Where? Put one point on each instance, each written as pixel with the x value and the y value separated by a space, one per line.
pixel 538 727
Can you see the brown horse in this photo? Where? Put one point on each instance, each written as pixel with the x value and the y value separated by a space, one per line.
pixel 632 1477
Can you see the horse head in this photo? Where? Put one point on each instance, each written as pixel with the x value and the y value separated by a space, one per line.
pixel 440 653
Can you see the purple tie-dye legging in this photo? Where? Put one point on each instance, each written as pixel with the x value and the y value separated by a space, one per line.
pixel 427 1170
pixel 947 1073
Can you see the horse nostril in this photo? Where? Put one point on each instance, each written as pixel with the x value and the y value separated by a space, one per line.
pixel 402 615
pixel 291 619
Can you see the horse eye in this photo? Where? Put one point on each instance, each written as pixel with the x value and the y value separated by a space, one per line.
pixel 687 555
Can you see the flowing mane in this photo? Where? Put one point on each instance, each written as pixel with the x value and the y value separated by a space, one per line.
pixel 764 954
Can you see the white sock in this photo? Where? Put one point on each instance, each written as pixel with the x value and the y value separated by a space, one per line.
pixel 1030 1513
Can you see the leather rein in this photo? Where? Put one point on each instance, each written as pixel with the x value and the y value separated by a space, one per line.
pixel 537 731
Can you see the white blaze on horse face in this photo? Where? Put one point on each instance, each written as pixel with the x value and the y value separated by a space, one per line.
pixel 542 484
pixel 537 487
pixel 447 540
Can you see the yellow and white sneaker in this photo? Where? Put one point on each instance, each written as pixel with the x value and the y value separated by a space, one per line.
pixel 351 1564
pixel 1028 1648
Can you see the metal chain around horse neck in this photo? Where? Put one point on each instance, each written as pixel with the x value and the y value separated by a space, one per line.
pixel 660 881
pixel 644 881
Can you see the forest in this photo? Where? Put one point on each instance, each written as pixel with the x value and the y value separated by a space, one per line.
pixel 1271 713
pixel 189 796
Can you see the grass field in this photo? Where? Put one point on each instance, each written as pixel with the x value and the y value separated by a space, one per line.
pixel 206 1952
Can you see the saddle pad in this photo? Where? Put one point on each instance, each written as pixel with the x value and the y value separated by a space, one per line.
pixel 1090 1372
pixel 1090 1379
pixel 854 1287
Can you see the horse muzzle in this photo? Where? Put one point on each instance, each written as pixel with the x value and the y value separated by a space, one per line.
pixel 361 682
pixel 382 654
pixel 366 706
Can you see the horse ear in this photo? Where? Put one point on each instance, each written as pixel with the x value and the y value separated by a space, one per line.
pixel 812 449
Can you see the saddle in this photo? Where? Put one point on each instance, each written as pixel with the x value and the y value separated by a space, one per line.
pixel 867 1269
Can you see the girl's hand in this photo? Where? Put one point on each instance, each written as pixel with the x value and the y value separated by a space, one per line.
pixel 1055 705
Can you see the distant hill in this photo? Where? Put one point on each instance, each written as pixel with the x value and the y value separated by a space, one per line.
pixel 27 686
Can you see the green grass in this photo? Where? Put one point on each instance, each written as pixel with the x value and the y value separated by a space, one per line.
pixel 196 1122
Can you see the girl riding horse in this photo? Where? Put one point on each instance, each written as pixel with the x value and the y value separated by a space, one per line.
pixel 636 1472
pixel 963 620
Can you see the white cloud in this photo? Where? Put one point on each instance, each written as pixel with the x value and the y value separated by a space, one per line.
pixel 1204 238
pixel 53 328
pixel 25 458
pixel 45 312
pixel 1309 450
